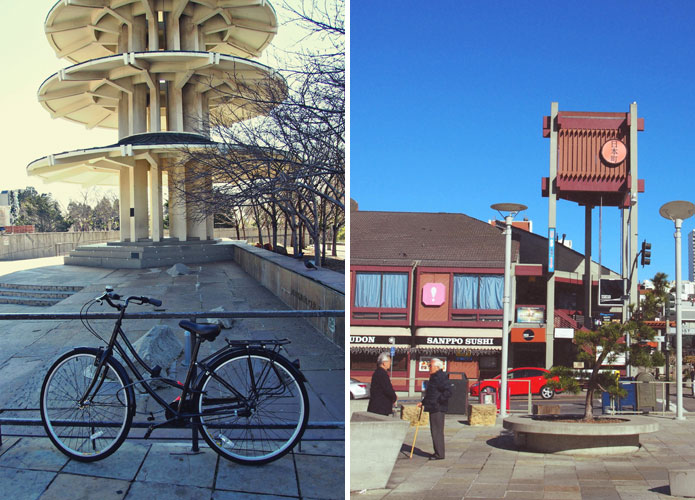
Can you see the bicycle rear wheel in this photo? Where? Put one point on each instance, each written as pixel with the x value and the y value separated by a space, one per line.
pixel 95 429
pixel 252 408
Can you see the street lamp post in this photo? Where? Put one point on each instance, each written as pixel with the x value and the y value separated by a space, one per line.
pixel 677 211
pixel 510 211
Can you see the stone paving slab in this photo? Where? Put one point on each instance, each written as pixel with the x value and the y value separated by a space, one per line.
pixel 483 463
pixel 175 464
pixel 72 486
pixel 123 464
pixel 31 468
pixel 21 484
pixel 276 478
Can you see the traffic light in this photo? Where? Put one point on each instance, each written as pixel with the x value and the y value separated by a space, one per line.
pixel 646 253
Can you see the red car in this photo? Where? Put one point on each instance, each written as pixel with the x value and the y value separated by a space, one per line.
pixel 518 383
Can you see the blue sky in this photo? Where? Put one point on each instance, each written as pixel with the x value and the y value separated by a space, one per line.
pixel 447 100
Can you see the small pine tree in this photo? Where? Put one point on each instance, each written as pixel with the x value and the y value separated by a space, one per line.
pixel 599 348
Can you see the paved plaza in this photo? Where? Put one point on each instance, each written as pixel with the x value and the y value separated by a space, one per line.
pixel 481 462
pixel 162 467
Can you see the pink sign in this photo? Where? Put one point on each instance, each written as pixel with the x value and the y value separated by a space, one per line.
pixel 433 294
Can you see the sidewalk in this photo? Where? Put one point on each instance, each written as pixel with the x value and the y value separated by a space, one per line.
pixel 481 462
pixel 31 468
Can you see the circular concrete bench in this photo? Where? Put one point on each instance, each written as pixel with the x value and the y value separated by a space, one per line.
pixel 549 436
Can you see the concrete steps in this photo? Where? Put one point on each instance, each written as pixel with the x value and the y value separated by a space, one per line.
pixel 139 255
pixel 35 295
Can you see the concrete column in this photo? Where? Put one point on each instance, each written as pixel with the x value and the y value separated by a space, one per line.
pixel 139 197
pixel 123 39
pixel 210 227
pixel 189 34
pixel 587 263
pixel 139 109
pixel 156 210
pixel 123 115
pixel 174 108
pixel 177 203
pixel 124 120
pixel 192 109
pixel 137 41
pixel 153 33
pixel 552 222
pixel 205 110
pixel 155 108
pixel 196 223
pixel 173 30
pixel 124 203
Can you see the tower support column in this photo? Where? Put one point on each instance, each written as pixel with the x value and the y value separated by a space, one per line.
pixel 587 264
pixel 156 212
pixel 139 195
pixel 552 217
pixel 177 203
pixel 124 203
pixel 197 226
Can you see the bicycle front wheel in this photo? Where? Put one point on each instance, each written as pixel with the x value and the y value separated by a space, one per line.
pixel 252 408
pixel 96 428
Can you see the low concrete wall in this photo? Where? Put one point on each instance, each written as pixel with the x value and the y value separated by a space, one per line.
pixel 578 438
pixel 298 287
pixel 375 442
pixel 36 245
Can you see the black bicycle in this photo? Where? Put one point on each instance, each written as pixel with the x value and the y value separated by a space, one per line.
pixel 248 401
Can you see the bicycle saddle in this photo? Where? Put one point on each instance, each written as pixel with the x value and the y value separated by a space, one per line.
pixel 207 332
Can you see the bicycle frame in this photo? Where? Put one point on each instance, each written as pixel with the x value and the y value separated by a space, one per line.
pixel 176 410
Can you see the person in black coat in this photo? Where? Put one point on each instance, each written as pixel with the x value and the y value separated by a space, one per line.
pixel 436 402
pixel 382 395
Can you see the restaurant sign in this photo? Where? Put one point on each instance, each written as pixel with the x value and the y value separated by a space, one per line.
pixel 459 341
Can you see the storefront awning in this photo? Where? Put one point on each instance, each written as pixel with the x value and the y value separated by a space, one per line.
pixel 377 348
pixel 458 350
pixel 378 339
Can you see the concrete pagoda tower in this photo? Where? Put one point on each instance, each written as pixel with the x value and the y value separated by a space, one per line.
pixel 154 70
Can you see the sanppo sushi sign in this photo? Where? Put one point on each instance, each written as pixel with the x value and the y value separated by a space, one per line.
pixel 459 341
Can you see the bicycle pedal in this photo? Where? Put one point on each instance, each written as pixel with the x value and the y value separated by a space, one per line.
pixel 151 417
pixel 156 371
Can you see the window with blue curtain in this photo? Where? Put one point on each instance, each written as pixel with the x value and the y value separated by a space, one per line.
pixel 387 290
pixel 473 291
pixel 394 291
pixel 367 289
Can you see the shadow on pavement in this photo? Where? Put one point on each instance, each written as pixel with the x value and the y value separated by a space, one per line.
pixel 505 441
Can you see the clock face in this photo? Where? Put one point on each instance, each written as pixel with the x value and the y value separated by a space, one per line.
pixel 613 152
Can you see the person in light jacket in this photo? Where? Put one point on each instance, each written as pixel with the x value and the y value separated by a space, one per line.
pixel 436 402
pixel 382 397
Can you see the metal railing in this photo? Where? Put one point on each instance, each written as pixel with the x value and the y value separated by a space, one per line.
pixel 34 422
pixel 662 396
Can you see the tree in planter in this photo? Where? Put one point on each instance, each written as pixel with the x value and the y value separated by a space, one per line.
pixel 599 348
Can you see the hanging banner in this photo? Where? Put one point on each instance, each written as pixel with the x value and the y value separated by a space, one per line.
pixel 551 249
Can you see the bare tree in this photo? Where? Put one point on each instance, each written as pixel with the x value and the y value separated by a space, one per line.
pixel 287 163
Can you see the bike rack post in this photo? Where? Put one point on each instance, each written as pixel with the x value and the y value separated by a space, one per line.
pixel 188 347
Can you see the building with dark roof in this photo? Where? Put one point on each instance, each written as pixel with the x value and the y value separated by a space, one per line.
pixel 431 284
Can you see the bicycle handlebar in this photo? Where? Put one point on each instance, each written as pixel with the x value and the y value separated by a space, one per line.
pixel 109 296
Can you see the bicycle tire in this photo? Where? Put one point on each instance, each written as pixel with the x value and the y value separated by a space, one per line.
pixel 279 407
pixel 98 429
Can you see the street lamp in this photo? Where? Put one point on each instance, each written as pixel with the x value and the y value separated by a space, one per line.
pixel 677 211
pixel 510 211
